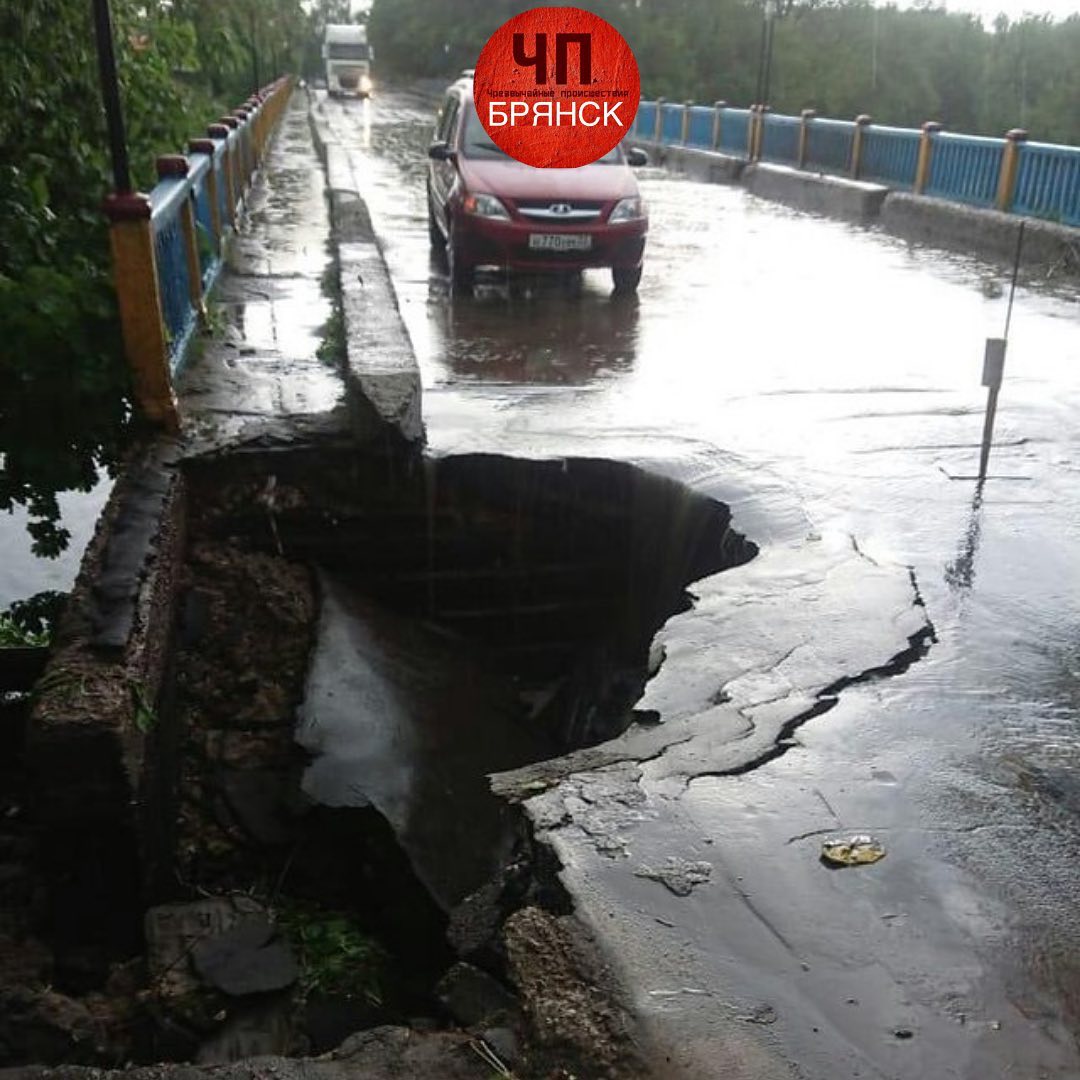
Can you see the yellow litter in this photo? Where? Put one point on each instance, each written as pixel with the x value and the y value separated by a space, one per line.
pixel 858 850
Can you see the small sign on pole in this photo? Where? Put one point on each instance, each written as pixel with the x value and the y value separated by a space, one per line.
pixel 993 370
pixel 994 362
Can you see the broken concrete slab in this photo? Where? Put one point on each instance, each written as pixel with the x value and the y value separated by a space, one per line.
pixel 472 996
pixel 743 667
pixel 174 930
pixel 245 959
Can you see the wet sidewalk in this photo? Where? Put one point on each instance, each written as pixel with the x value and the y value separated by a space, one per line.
pixel 266 371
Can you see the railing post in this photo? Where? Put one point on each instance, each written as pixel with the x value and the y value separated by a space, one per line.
pixel 926 145
pixel 758 137
pixel 175 167
pixel 806 117
pixel 658 124
pixel 751 132
pixel 207 147
pixel 235 152
pixel 685 130
pixel 717 121
pixel 1010 168
pixel 139 298
pixel 862 122
pixel 247 150
pixel 221 131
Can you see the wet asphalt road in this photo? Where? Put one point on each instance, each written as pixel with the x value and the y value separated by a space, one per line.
pixel 827 378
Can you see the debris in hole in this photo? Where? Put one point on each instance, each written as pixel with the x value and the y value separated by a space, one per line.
pixel 858 850
pixel 679 875
pixel 246 960
pixel 903 1033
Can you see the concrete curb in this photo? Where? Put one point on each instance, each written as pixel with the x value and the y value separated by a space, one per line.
pixel 708 165
pixel 818 193
pixel 94 741
pixel 382 377
pixel 920 218
pixel 987 232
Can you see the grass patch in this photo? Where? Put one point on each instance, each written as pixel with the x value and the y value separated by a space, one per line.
pixel 336 956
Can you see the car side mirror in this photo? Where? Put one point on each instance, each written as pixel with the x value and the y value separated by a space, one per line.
pixel 439 151
pixel 636 156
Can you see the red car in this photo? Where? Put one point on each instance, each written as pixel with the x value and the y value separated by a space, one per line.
pixel 487 209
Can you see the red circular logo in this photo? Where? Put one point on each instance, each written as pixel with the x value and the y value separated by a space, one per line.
pixel 556 87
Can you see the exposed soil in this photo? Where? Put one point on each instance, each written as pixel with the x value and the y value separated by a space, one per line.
pixel 279 926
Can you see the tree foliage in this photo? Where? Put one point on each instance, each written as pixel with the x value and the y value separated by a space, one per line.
pixel 841 57
pixel 64 396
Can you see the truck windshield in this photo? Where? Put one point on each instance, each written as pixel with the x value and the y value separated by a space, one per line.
pixel 339 50
pixel 478 143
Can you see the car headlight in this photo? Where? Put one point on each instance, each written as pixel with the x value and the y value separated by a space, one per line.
pixel 485 206
pixel 628 210
pixel 366 83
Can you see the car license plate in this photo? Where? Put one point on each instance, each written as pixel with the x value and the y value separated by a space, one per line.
pixel 560 241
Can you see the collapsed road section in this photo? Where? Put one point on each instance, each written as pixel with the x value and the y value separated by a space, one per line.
pixel 252 812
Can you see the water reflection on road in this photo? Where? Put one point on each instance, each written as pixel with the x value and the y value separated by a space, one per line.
pixel 841 366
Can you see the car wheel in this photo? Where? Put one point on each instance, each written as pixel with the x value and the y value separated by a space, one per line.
pixel 626 278
pixel 461 273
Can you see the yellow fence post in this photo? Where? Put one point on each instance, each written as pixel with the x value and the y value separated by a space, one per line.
pixel 1010 168
pixel 858 140
pixel 806 117
pixel 658 125
pixel 685 130
pixel 175 167
pixel 717 121
pixel 759 138
pixel 139 299
pixel 213 192
pixel 926 146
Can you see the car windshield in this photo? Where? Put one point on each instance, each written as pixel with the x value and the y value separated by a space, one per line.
pixel 478 143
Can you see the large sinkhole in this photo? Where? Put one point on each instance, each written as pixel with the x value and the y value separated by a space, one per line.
pixel 360 642
pixel 429 622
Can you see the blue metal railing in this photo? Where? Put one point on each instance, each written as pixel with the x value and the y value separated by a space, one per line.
pixel 170 257
pixel 645 121
pixel 828 145
pixel 1048 182
pixel 209 250
pixel 671 122
pixel 734 130
pixel 890 155
pixel 700 127
pixel 780 138
pixel 962 168
pixel 965 168
pixel 168 202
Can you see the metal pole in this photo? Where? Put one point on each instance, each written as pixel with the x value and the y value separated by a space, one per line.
pixel 994 365
pixel 254 53
pixel 110 94
pixel 768 63
pixel 761 57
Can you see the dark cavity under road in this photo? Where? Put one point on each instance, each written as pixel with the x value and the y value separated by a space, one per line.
pixel 820 378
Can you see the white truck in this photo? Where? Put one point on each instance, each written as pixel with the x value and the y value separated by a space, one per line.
pixel 348 58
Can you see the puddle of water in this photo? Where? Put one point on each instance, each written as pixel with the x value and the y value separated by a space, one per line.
pixel 22 573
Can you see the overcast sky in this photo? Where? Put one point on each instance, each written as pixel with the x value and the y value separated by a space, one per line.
pixel 988 9
pixel 1015 9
